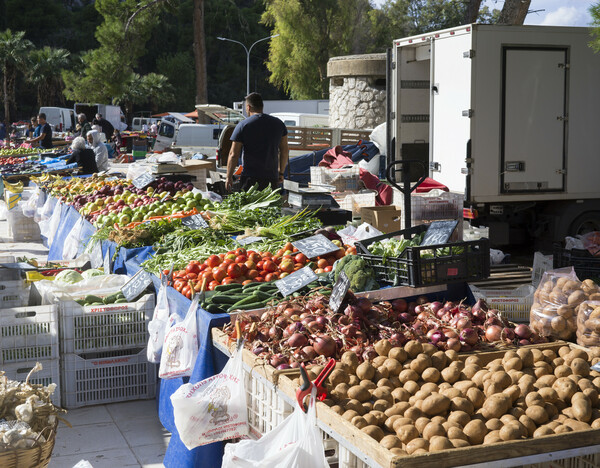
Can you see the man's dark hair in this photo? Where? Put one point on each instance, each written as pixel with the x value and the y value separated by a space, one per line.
pixel 34 118
pixel 255 101
pixel 42 116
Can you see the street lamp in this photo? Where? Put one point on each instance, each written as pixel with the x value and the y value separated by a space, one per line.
pixel 248 50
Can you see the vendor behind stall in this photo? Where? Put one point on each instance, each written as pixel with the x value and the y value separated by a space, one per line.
pixel 84 157
pixel 45 136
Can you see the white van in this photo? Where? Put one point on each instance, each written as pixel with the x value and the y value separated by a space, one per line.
pixel 197 135
pixel 167 130
pixel 294 119
pixel 138 122
pixel 59 118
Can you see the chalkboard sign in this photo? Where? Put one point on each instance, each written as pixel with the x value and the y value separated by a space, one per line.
pixel 143 181
pixel 194 222
pixel 249 240
pixel 315 246
pixel 596 367
pixel 136 285
pixel 290 284
pixel 340 289
pixel 439 232
pixel 96 259
pixel 107 269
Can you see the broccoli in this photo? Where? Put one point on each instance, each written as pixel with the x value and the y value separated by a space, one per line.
pixel 360 274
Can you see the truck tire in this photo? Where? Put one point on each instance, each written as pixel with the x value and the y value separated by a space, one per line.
pixel 587 222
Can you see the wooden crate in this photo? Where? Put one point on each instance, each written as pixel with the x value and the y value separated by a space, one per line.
pixel 366 447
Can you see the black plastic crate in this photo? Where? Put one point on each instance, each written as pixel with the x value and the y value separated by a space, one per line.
pixel 585 264
pixel 459 261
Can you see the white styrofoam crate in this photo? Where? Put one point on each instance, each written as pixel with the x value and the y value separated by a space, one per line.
pixel 106 378
pixel 21 228
pixel 28 334
pixel 111 327
pixel 514 304
pixel 7 259
pixel 14 294
pixel 355 201
pixel 50 373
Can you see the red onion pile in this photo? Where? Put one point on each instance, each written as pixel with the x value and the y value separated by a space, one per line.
pixel 306 330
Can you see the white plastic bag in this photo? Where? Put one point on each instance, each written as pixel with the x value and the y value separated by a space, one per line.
pixel 213 409
pixel 49 226
pixel 158 324
pixel 350 235
pixel 52 292
pixel 29 207
pixel 295 442
pixel 180 347
pixel 73 241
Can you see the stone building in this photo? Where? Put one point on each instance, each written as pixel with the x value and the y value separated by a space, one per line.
pixel 357 91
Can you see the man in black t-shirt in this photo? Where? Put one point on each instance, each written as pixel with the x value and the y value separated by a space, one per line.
pixel 45 137
pixel 106 126
pixel 262 142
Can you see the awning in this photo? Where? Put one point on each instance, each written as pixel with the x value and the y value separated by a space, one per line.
pixel 192 115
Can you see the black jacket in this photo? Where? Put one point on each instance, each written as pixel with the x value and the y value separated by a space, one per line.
pixel 85 159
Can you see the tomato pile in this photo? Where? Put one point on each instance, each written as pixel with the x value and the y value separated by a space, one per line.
pixel 11 160
pixel 247 266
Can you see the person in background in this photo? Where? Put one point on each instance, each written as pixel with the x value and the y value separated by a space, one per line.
pixel 45 137
pixel 100 151
pixel 153 128
pixel 31 126
pixel 2 131
pixel 107 127
pixel 84 157
pixel 262 141
pixel 145 128
pixel 83 126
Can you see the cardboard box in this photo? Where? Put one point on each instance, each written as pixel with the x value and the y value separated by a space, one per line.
pixel 385 218
pixel 194 164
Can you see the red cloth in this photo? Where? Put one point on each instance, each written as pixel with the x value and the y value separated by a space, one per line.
pixel 335 158
pixel 385 193
pixel 430 184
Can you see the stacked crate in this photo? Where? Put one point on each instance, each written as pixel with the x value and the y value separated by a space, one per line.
pixel 103 355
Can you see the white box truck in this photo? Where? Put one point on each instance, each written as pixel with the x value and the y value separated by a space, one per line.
pixel 60 118
pixel 508 115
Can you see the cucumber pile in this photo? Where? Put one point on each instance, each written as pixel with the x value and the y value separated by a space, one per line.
pixel 91 300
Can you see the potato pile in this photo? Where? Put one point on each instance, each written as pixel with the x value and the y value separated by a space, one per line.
pixel 417 399
pixel 554 311
pixel 588 323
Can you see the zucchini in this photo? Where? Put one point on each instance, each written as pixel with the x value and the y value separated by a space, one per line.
pixel 214 309
pixel 262 296
pixel 247 300
pixel 227 299
pixel 249 306
pixel 228 287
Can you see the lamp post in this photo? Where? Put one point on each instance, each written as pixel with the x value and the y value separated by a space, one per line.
pixel 248 50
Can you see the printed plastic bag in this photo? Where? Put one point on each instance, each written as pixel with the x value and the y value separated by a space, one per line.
pixel 294 442
pixel 555 302
pixel 180 347
pixel 158 324
pixel 213 409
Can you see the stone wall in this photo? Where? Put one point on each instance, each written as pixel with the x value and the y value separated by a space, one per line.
pixel 357 91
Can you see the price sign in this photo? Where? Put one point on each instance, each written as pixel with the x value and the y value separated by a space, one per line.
pixel 249 240
pixel 290 284
pixel 143 181
pixel 106 264
pixel 96 259
pixel 315 246
pixel 439 232
pixel 340 288
pixel 194 222
pixel 134 287
pixel 596 367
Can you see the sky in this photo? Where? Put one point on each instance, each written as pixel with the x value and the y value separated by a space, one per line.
pixel 555 12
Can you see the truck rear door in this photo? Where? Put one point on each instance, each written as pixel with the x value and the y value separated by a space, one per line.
pixel 534 119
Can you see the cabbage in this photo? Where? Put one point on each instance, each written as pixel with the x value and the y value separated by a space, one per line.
pixel 68 277
pixel 87 274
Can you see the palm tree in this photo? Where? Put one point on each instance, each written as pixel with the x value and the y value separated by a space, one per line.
pixel 13 57
pixel 45 70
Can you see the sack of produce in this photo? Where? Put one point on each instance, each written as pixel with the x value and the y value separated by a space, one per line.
pixel 556 299
pixel 158 324
pixel 180 347
pixel 213 409
pixel 588 318
pixel 295 442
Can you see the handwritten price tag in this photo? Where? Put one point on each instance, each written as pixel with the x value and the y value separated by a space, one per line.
pixel 297 280
pixel 136 285
pixel 249 240
pixel 194 222
pixel 439 232
pixel 143 181
pixel 315 246
pixel 340 289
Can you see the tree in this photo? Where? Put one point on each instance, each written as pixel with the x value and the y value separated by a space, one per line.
pixel 13 57
pixel 312 31
pixel 514 12
pixel 200 53
pixel 472 11
pixel 151 88
pixel 45 67
pixel 122 36
pixel 595 12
